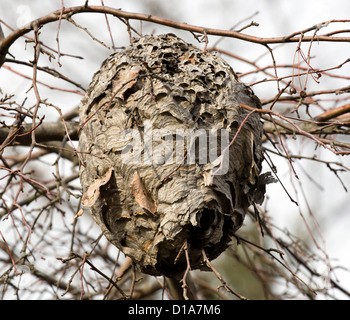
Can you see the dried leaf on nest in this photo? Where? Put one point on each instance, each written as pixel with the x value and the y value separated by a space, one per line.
pixel 141 195
pixel 126 80
pixel 93 192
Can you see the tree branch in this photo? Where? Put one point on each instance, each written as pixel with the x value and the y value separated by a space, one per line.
pixel 47 131
pixel 65 13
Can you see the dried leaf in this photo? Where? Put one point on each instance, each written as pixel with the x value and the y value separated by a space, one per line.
pixel 208 174
pixel 127 78
pixel 93 192
pixel 80 213
pixel 141 195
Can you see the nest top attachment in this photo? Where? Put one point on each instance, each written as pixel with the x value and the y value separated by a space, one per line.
pixel 172 162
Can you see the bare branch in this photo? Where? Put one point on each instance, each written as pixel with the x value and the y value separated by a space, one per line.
pixel 68 12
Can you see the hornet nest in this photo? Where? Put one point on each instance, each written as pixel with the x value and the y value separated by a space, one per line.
pixel 171 160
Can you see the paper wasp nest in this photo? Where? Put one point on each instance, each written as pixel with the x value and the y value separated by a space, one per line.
pixel 160 177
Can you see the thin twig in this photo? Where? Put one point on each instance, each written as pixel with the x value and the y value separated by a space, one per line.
pixel 58 32
pixel 188 269
pixel 269 252
pixel 223 282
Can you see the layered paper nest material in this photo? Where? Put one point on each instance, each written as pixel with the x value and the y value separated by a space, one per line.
pixel 155 183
